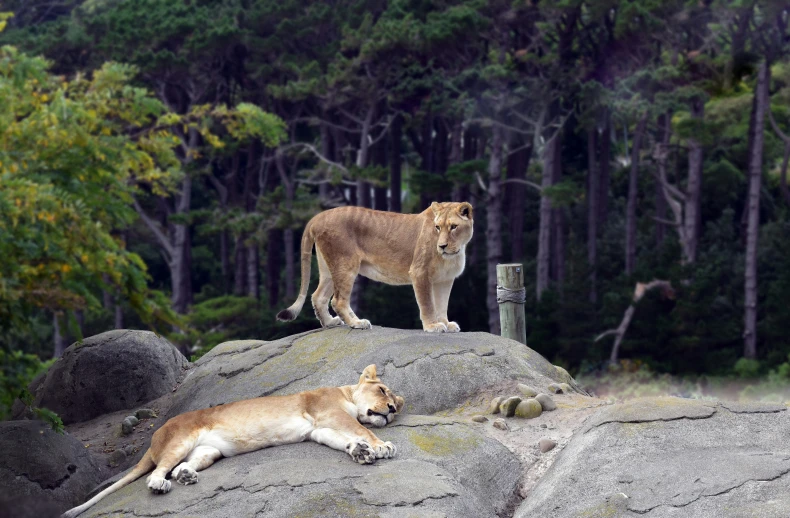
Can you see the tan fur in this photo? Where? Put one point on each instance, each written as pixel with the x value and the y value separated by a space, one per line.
pixel 426 250
pixel 191 442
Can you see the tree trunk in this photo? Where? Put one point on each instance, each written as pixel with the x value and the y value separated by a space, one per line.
pixel 755 178
pixel 605 158
pixel 395 164
pixel 240 267
pixel 290 265
pixel 326 151
pixel 665 131
pixel 363 154
pixel 253 280
pixel 273 261
pixel 58 339
pixel 224 253
pixel 426 152
pixel 633 185
pixel 494 225
pixel 558 222
pixel 691 220
pixel 544 231
pixel 517 193
pixel 593 190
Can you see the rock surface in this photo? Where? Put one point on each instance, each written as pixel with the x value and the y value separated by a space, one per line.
pixel 666 456
pixel 41 470
pixel 431 371
pixel 111 371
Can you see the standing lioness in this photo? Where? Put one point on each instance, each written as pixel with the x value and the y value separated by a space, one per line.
pixel 191 442
pixel 426 250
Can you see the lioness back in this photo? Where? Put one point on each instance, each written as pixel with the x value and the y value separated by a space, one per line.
pixel 425 250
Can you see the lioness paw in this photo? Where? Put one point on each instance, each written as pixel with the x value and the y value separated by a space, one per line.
pixel 333 322
pixel 158 486
pixel 185 475
pixel 385 450
pixel 452 327
pixel 361 452
pixel 435 328
pixel 361 324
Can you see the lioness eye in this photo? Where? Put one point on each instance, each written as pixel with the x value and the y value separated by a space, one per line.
pixel 453 227
pixel 437 228
pixel 383 391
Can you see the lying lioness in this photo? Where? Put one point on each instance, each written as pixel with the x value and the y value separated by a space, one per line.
pixel 426 250
pixel 191 442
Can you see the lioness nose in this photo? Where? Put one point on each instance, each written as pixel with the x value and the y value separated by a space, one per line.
pixel 442 246
pixel 392 409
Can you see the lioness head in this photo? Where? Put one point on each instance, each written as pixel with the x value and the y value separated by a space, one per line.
pixel 376 404
pixel 453 222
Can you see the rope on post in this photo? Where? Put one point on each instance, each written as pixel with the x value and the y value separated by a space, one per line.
pixel 517 296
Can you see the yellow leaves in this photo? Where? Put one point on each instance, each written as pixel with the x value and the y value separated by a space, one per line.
pixel 44 98
pixel 13 168
pixel 65 268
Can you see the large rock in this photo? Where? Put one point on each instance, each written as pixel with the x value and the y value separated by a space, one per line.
pixel 432 371
pixel 111 371
pixel 660 457
pixel 42 473
pixel 443 468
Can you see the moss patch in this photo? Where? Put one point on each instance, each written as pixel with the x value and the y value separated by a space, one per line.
pixel 440 443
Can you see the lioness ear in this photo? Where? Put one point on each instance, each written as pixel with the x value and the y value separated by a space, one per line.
pixel 465 210
pixel 435 207
pixel 369 375
pixel 399 402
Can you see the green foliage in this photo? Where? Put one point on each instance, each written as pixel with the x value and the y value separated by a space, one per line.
pixel 747 368
pixel 17 370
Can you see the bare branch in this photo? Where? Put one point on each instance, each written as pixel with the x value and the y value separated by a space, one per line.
pixel 167 248
pixel 666 221
pixel 523 182
pixel 776 128
pixel 317 153
pixel 480 182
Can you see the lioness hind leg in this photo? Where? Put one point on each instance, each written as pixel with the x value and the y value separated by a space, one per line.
pixel 199 459
pixel 323 293
pixel 343 277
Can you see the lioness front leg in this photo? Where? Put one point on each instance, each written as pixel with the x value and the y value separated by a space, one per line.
pixel 346 434
pixel 423 290
pixel 441 297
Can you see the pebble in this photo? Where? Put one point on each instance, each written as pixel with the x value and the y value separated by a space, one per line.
pixel 116 458
pixel 543 425
pixel 501 424
pixel 128 424
pixel 508 407
pixel 555 388
pixel 128 450
pixel 527 391
pixel 145 413
pixel 546 445
pixel 479 418
pixel 546 402
pixel 528 409
pixel 566 388
pixel 493 408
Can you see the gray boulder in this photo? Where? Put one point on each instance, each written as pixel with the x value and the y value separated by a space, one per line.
pixel 660 457
pixel 432 371
pixel 111 371
pixel 443 468
pixel 42 473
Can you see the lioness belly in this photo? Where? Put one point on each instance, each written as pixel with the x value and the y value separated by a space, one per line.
pixel 377 273
pixel 234 439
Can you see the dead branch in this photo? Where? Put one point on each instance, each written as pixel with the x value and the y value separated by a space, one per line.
pixel 639 292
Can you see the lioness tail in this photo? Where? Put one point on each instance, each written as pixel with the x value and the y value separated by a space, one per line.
pixel 293 310
pixel 145 465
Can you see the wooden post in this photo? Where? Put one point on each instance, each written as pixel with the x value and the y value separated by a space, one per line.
pixel 511 296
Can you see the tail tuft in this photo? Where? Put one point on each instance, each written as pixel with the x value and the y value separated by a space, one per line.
pixel 286 315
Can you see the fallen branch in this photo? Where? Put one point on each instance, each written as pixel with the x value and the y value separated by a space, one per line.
pixel 639 292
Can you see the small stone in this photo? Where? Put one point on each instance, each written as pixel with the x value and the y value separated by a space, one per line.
pixel 527 391
pixel 555 388
pixel 128 424
pixel 145 413
pixel 493 408
pixel 566 388
pixel 128 450
pixel 546 402
pixel 546 445
pixel 508 406
pixel 500 424
pixel 528 409
pixel 116 458
pixel 479 418
pixel 543 425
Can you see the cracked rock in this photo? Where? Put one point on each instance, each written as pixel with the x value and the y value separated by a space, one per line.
pixel 508 407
